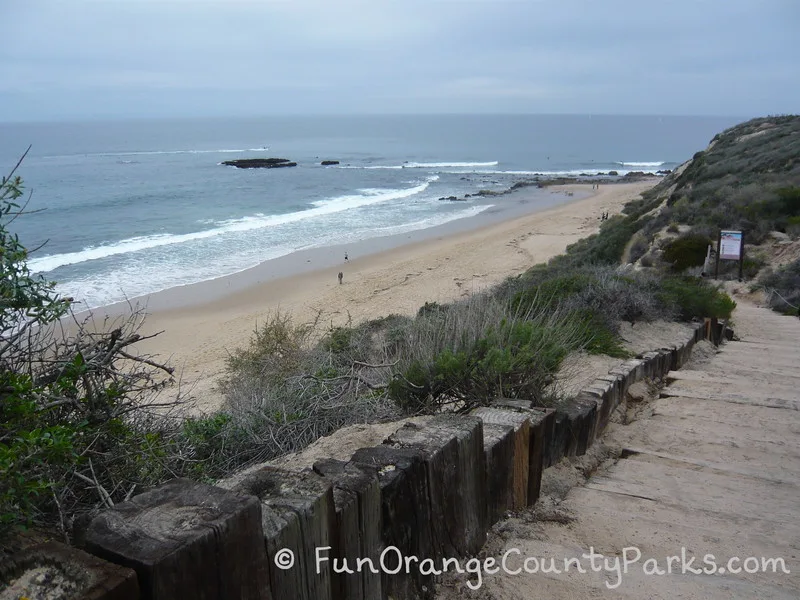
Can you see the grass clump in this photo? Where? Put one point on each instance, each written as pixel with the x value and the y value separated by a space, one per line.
pixel 597 336
pixel 478 350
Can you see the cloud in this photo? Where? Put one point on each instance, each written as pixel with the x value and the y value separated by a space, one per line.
pixel 415 55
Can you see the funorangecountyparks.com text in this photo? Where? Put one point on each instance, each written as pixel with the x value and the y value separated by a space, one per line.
pixel 513 562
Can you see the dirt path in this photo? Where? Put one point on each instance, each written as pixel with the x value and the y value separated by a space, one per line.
pixel 711 464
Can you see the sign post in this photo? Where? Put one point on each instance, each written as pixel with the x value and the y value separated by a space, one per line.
pixel 730 246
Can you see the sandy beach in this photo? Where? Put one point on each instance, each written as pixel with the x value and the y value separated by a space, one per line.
pixel 202 323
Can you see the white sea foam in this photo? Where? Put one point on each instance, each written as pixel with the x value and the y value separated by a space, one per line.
pixel 259 221
pixel 421 165
pixel 641 164
pixel 444 165
pixel 142 277
pixel 594 172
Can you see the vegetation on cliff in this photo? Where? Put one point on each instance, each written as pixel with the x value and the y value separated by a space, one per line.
pixel 748 179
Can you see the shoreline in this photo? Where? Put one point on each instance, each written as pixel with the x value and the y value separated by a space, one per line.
pixel 203 322
pixel 516 204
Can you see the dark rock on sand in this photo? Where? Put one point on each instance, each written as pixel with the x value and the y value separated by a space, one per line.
pixel 613 173
pixel 525 183
pixel 259 163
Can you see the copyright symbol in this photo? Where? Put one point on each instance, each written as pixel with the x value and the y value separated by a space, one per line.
pixel 284 559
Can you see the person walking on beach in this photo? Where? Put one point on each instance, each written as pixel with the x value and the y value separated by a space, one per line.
pixel 340 277
pixel 345 256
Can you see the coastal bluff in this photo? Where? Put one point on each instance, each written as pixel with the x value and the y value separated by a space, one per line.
pixel 259 163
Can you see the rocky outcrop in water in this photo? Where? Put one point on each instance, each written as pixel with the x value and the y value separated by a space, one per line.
pixel 259 163
pixel 326 163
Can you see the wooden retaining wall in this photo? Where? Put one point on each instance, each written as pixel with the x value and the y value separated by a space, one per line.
pixel 430 491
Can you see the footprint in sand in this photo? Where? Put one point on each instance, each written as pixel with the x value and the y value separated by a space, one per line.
pixel 409 276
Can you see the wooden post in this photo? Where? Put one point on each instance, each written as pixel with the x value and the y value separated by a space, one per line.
pixel 541 430
pixel 406 516
pixel 186 540
pixel 522 444
pixel 357 499
pixel 533 428
pixel 498 444
pixel 297 518
pixel 456 468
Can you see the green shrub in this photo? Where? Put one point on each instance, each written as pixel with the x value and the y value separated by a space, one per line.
pixel 31 452
pixel 430 308
pixel 793 227
pixel 686 251
pixel 788 201
pixel 276 348
pixel 597 337
pixel 696 298
pixel 338 340
pixel 551 293
pixel 516 360
pixel 639 248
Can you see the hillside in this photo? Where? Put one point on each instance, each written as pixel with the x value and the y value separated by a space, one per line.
pixel 747 179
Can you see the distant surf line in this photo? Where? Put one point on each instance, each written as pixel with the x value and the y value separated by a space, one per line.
pixel 423 165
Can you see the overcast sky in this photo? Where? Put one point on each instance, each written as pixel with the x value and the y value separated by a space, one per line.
pixel 62 59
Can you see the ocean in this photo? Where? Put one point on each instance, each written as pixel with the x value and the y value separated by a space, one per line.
pixel 127 208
